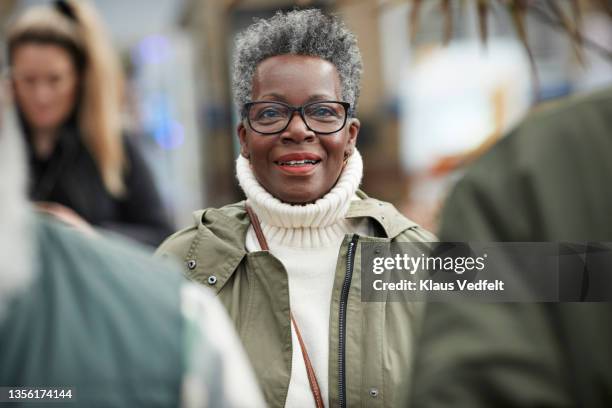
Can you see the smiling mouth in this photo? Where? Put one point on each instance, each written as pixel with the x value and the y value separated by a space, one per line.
pixel 298 163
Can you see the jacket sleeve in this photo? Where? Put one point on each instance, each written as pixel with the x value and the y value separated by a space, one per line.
pixel 141 213
pixel 490 354
pixel 477 355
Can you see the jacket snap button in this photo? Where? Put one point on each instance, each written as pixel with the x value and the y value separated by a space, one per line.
pixel 377 251
pixel 191 264
pixel 374 392
pixel 212 280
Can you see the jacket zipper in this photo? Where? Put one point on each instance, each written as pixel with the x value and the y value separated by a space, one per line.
pixel 350 258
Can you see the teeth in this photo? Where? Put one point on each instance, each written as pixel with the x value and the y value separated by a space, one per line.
pixel 298 162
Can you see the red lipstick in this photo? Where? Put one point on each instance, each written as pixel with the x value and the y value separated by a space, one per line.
pixel 298 163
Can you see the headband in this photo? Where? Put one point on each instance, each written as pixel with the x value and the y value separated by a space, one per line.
pixel 66 9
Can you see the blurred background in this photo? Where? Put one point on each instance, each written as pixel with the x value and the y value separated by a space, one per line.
pixel 428 107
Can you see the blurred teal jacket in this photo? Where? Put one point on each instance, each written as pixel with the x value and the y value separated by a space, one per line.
pixel 120 329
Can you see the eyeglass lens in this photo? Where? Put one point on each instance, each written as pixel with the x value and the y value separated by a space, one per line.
pixel 271 117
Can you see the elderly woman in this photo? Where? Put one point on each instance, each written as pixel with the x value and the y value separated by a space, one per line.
pixel 285 261
pixel 67 83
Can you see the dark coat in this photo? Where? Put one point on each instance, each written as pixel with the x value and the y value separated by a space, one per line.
pixel 549 180
pixel 70 177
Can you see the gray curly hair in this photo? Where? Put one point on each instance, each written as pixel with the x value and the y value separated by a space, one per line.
pixel 300 32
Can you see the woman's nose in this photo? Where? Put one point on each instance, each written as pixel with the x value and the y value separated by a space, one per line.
pixel 41 92
pixel 297 131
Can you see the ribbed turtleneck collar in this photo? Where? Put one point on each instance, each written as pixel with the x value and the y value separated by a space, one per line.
pixel 307 225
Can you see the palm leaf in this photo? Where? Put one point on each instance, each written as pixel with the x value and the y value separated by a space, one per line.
pixel 567 25
pixel 414 18
pixel 448 20
pixel 577 22
pixel 483 12
pixel 518 11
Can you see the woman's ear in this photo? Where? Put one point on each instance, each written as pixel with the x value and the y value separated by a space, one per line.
pixel 353 131
pixel 241 131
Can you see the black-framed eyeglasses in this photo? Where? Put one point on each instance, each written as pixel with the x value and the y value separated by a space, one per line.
pixel 321 117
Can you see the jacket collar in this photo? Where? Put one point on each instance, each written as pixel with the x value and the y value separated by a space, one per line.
pixel 219 245
pixel 384 214
pixel 222 232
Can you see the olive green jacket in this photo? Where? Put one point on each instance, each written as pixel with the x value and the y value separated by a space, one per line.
pixel 370 344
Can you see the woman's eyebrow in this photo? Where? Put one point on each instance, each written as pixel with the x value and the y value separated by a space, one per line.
pixel 274 96
pixel 321 97
pixel 313 98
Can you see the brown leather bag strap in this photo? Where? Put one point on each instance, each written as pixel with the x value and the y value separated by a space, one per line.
pixel 312 378
pixel 257 227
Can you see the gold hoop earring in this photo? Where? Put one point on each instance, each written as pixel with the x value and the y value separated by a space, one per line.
pixel 347 156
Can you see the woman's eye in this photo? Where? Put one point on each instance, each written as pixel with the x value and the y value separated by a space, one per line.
pixel 269 114
pixel 30 81
pixel 54 80
pixel 321 112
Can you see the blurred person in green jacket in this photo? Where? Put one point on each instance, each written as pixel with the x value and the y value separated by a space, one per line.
pixel 549 180
pixel 99 323
pixel 286 262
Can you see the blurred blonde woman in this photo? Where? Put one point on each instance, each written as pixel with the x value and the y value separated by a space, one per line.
pixel 67 82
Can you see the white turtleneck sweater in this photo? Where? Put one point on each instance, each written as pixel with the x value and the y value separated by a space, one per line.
pixel 306 239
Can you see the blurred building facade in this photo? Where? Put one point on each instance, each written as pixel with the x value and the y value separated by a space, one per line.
pixel 425 109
